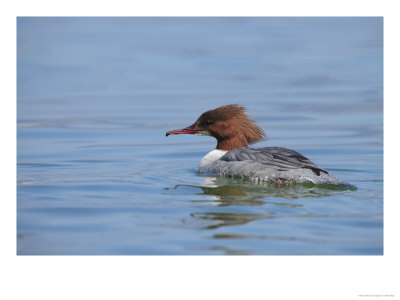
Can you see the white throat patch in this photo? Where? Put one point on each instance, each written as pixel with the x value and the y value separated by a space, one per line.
pixel 206 133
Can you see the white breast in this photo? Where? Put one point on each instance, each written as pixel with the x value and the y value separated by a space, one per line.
pixel 207 161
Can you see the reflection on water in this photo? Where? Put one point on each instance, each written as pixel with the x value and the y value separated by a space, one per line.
pixel 238 192
pixel 226 219
pixel 232 191
pixel 225 250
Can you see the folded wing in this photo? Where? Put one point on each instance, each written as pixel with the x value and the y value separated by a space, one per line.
pixel 278 157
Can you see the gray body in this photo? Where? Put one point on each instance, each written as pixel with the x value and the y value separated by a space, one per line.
pixel 270 164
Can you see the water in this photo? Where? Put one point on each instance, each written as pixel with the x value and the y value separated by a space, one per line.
pixel 96 174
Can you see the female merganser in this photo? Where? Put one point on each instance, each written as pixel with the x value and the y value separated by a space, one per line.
pixel 234 131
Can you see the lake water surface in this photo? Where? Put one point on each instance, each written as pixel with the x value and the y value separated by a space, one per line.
pixel 96 174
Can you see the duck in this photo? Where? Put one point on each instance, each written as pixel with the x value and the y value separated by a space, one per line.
pixel 234 131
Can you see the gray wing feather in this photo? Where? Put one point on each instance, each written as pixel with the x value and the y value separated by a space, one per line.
pixel 273 156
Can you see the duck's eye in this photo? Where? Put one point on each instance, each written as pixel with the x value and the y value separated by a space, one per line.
pixel 208 122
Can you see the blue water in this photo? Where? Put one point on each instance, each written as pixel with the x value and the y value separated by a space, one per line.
pixel 96 174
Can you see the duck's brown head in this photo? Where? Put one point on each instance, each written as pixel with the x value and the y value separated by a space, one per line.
pixel 229 125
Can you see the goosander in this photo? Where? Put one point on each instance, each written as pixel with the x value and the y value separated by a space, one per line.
pixel 234 132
